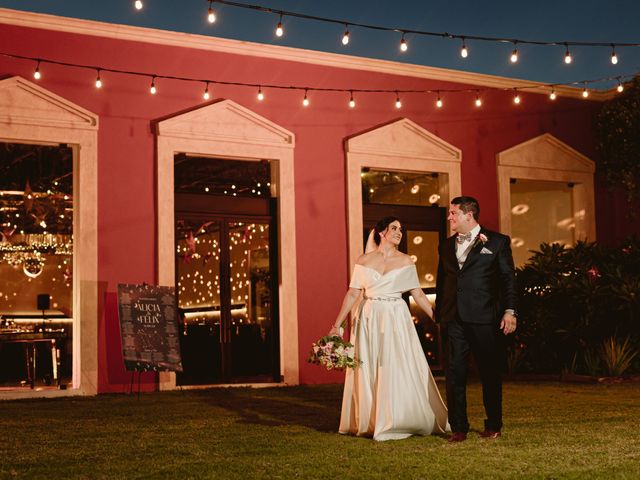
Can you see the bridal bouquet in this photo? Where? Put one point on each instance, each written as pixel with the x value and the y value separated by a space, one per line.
pixel 334 353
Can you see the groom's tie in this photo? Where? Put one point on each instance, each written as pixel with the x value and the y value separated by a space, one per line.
pixel 463 237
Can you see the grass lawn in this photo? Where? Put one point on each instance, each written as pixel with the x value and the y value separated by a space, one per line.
pixel 551 431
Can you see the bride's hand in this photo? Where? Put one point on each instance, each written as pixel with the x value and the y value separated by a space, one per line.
pixel 335 331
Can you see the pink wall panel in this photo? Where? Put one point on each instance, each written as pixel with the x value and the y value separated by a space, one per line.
pixel 127 225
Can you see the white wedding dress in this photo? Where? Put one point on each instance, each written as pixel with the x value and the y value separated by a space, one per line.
pixel 392 394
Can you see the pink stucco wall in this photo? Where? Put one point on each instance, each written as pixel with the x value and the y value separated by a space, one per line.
pixel 127 224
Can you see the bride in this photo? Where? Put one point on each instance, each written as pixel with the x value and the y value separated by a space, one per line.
pixel 392 394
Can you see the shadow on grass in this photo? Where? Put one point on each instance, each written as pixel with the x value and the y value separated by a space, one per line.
pixel 317 407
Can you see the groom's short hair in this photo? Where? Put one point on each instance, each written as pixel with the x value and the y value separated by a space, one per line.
pixel 468 204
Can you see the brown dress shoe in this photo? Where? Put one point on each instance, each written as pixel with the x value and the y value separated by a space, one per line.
pixel 458 437
pixel 490 434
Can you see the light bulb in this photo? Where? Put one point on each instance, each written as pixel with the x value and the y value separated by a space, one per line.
pixel 585 92
pixel 305 100
pixel 478 102
pixel 398 103
pixel 439 102
pixel 514 56
pixel 206 95
pixel 279 28
pixel 553 95
pixel 614 57
pixel 464 52
pixel 345 37
pixel 153 89
pixel 516 98
pixel 36 73
pixel 138 4
pixel 567 57
pixel 211 15
pixel 260 94
pixel 352 102
pixel 403 44
pixel 98 82
pixel 620 87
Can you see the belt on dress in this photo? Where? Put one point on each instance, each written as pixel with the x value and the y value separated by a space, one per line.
pixel 383 299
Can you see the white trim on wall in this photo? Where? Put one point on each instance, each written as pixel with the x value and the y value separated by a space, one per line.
pixel 547 158
pixel 401 146
pixel 31 114
pixel 225 129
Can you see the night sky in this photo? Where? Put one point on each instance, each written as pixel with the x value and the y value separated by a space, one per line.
pixel 570 20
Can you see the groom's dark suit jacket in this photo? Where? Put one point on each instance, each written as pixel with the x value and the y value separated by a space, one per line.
pixel 484 287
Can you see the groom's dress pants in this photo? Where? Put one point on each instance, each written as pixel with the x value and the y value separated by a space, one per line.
pixel 487 344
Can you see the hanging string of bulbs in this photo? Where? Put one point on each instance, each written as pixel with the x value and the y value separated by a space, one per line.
pixel 261 88
pixel 405 32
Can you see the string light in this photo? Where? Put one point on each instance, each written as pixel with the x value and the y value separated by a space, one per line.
pixel 138 4
pixel 464 52
pixel 36 73
pixel 398 102
pixel 516 96
pixel 211 15
pixel 345 37
pixel 478 100
pixel 98 81
pixel 153 88
pixel 305 100
pixel 403 44
pixel 352 102
pixel 206 95
pixel 260 94
pixel 614 57
pixel 567 55
pixel 585 92
pixel 620 87
pixel 552 95
pixel 279 28
pixel 514 54
pixel 439 101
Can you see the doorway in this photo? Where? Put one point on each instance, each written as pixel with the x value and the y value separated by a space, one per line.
pixel 226 271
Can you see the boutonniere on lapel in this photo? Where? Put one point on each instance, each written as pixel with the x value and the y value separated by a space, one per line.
pixel 482 239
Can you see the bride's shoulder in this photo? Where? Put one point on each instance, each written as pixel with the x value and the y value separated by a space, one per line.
pixel 366 258
pixel 404 259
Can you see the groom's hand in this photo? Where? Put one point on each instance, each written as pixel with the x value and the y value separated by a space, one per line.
pixel 508 323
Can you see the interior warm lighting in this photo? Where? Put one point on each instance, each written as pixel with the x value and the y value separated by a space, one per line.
pixel 415 189
pixel 433 198
pixel 417 240
pixel 520 209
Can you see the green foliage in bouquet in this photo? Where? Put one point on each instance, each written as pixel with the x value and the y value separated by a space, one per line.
pixel 571 299
pixel 618 130
pixel 334 353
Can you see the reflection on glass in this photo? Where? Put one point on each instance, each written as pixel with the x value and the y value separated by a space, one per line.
pixel 423 247
pixel 400 188
pixel 36 265
pixel 541 211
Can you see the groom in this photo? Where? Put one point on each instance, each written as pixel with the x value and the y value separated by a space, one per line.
pixel 475 304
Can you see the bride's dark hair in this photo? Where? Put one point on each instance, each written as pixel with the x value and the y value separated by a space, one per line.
pixel 381 226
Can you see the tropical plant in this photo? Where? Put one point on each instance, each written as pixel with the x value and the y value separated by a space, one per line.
pixel 617 356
